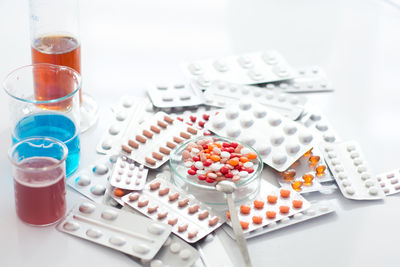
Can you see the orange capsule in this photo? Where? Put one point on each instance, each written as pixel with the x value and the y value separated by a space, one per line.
pixel 289 175
pixel 233 162
pixel 245 209
pixel 308 153
pixel 244 225
pixel 270 214
pixel 251 155
pixel 244 159
pixel 228 215
pixel 257 219
pixel 215 158
pixel 314 159
pixel 296 185
pixel 308 178
pixel 297 204
pixel 272 199
pixel 320 170
pixel 284 209
pixel 258 204
pixel 118 192
pixel 285 193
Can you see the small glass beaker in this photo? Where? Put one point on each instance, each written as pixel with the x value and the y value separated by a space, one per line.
pixel 49 114
pixel 39 179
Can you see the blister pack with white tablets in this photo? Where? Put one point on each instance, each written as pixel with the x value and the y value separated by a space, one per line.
pixel 307 80
pixel 351 171
pixel 164 202
pixel 389 182
pixel 223 94
pixel 315 210
pixel 319 124
pixel 272 204
pixel 175 95
pixel 249 68
pixel 279 141
pixel 174 252
pixel 128 175
pixel 92 182
pixel 124 231
pixel 152 142
pixel 127 115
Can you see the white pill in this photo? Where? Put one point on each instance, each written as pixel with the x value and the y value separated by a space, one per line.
pixel 83 180
pixel 245 150
pixel 248 140
pixel 274 121
pixel 203 81
pixel 185 254
pixel 156 229
pixel 338 169
pixel 195 150
pixel 255 75
pixel 233 88
pixel 357 162
pixel 386 190
pixel 114 129
pixel 243 174
pixel 269 95
pixel 233 131
pixel 100 169
pixel 248 164
pixel 109 215
pixel 167 98
pixel 328 149
pixel 283 85
pixel 245 90
pixel 321 126
pixel 272 225
pixel 335 162
pixel 349 190
pixel 263 149
pixel 225 155
pixel 354 155
pixel 277 139
pixel 245 105
pixel 199 165
pixel 282 98
pixel 141 249
pixel 292 148
pixel 259 112
pixel 168 242
pixel 279 158
pixel 231 113
pixel 346 183
pixel 289 129
pixel 71 226
pixel 305 138
pixel 156 263
pixel 195 69
pixel 331 155
pixel 361 169
pixel 127 103
pixel 298 216
pixel 107 144
pixel 117 240
pixel 220 85
pixel 188 164
pixel 342 176
pixel 98 190
pixel 294 100
pixel 328 137
pixel 373 190
pixel 315 117
pixel 365 176
pixel 218 123
pixel 246 122
pixel 94 233
pixel 369 183
pixel 257 92
pixel 220 65
pixel 215 167
pixel 310 212
pixel 284 220
pixel 245 62
pixel 175 247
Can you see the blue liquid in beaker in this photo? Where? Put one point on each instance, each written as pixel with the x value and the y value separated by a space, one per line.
pixel 52 125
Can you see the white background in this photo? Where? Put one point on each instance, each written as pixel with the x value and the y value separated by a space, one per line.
pixel 126 44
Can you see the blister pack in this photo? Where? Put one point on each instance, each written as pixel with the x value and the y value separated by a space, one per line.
pixel 278 140
pixel 350 169
pixel 127 115
pixel 249 68
pixel 124 231
pixel 389 182
pixel 164 202
pixel 174 252
pixel 272 204
pixel 175 95
pixel 197 119
pixel 307 80
pixel 128 175
pixel 223 94
pixel 92 182
pixel 315 210
pixel 151 143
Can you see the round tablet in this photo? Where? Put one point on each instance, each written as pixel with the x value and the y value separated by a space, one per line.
pixel 292 148
pixel 127 103
pixel 349 190
pixel 269 95
pixel 331 155
pixel 156 263
pixel 185 254
pixel 246 122
pixel 231 113
pixel 354 155
pixel 94 233
pixel 259 112
pixel 83 180
pixel 195 69
pixel 279 158
pixel 263 149
pixel 350 148
pixel 71 226
pixel 330 138
pixel 203 81
pixel 121 116
pixel 315 117
pixel 289 129
pixel 361 169
pixel 141 249
pixel 369 183
pixel 87 207
pixel 277 139
pixel 298 216
pixel 365 176
pixel 248 140
pixel 117 240
pixel 233 88
pixel 257 92
pixel 245 105
pixel 175 247
pixel 245 90
pixel 335 162
pixel 272 225
pixel 274 121
pixel 294 100
pixel 373 190
pixel 114 129
pixel 109 215
pixel 218 123
pixel 284 220
pixel 106 145
pixel 357 162
pixel 321 126
pixel 342 176
pixel 100 169
pixel 156 229
pixel 255 75
pixel 346 183
pixel 338 168
pixel 305 138
pixel 98 190
pixel 310 212
pixel 233 131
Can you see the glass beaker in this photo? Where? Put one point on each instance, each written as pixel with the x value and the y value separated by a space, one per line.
pixel 54 28
pixel 39 179
pixel 47 114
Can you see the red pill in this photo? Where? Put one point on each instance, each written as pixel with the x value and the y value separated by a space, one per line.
pixel 206 117
pixel 202 177
pixel 209 180
pixel 201 124
pixel 224 170
pixel 207 162
pixel 229 175
pixel 249 170
pixel 191 172
pixel 193 118
pixel 234 145
pixel 196 158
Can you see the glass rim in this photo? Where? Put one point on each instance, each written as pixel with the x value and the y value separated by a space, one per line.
pixel 38 169
pixel 43 65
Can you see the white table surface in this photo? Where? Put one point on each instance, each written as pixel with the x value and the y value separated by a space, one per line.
pixel 126 44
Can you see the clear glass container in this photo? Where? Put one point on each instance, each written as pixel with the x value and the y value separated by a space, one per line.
pixel 247 188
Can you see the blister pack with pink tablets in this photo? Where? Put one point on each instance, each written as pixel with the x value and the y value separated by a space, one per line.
pixel 151 143
pixel 164 202
pixel 128 175
pixel 272 204
pixel 175 95
pixel 279 140
pixel 224 94
pixel 124 231
pixel 351 171
pixel 249 68
pixel 315 210
pixel 389 182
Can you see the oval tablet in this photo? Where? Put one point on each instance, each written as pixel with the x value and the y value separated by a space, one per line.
pixel 156 229
pixel 94 233
pixel 109 215
pixel 100 169
pixel 141 249
pixel 98 190
pixel 117 240
pixel 83 180
pixel 71 226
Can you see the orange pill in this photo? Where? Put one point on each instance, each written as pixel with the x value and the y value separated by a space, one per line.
pixel 245 209
pixel 270 214
pixel 284 209
pixel 218 145
pixel 257 219
pixel 233 162
pixel 297 204
pixel 126 149
pixel 215 158
pixel 118 192
pixel 228 215
pixel 308 153
pixel 210 147
pixel 244 225
pixel 251 155
pixel 258 204
pixel 289 175
pixel 285 193
pixel 244 159
pixel 272 199
pixel 314 159
pixel 308 178
pixel 320 170
pixel 296 185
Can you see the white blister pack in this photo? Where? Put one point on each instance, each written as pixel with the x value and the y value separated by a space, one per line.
pixel 249 68
pixel 174 252
pixel 92 182
pixel 164 202
pixel 128 175
pixel 272 204
pixel 307 80
pixel 315 210
pixel 175 95
pixel 124 231
pixel 151 143
pixel 127 115
pixel 390 182
pixel 279 141
pixel 350 169
pixel 223 94
pixel 319 124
